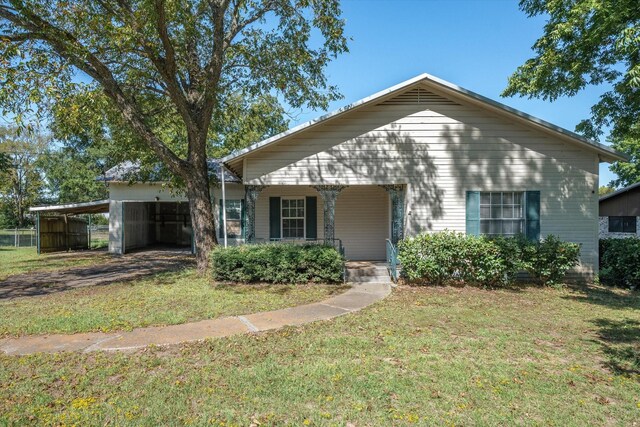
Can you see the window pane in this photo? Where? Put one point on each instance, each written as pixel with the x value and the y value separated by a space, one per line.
pixel 495 227
pixel 485 212
pixel 233 228
pixel 496 198
pixel 615 224
pixel 485 198
pixel 629 224
pixel 496 211
pixel 484 227
pixel 507 198
pixel 517 198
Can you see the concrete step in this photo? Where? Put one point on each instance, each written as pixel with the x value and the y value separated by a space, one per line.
pixel 370 279
pixel 367 272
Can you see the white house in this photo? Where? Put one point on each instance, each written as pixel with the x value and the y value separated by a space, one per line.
pixel 421 156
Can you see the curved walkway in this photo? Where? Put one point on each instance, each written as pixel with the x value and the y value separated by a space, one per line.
pixel 358 297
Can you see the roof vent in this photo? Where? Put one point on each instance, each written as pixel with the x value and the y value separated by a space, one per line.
pixel 417 96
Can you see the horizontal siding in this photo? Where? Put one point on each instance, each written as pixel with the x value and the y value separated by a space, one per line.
pixel 441 151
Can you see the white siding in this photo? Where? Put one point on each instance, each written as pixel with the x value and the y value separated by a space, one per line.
pixel 143 192
pixel 441 151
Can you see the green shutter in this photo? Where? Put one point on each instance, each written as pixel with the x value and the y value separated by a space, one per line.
pixel 221 222
pixel 532 218
pixel 473 213
pixel 274 217
pixel 243 218
pixel 312 217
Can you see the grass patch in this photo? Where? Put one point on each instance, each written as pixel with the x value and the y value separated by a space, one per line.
pixel 423 356
pixel 163 299
pixel 26 260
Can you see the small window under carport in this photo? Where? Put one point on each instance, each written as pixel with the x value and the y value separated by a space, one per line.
pixel 62 228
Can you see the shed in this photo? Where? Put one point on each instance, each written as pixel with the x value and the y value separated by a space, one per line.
pixel 59 229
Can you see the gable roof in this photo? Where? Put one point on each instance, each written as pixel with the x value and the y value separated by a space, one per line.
pixel 606 153
pixel 620 191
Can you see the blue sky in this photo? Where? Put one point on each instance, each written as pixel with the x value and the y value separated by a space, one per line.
pixel 476 44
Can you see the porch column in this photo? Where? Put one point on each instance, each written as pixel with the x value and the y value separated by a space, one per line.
pixel 251 193
pixel 329 195
pixel 396 192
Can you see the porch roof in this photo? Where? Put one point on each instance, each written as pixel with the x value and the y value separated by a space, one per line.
pixel 97 206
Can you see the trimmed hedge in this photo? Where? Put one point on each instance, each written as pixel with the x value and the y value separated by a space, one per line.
pixel 455 258
pixel 277 263
pixel 620 262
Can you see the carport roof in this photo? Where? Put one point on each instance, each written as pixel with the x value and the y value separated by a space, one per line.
pixel 98 206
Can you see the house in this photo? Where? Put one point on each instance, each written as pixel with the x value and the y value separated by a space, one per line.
pixel 620 213
pixel 422 156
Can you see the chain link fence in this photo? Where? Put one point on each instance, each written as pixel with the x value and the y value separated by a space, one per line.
pixel 26 237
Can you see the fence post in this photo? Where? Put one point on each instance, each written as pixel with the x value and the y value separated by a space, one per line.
pixel 15 235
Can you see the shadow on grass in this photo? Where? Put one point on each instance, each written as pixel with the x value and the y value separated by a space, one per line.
pixel 280 289
pixel 608 297
pixel 620 340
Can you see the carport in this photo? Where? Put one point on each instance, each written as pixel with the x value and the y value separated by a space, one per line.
pixel 139 225
pixel 59 227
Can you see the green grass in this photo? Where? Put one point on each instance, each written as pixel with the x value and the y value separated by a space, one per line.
pixel 25 260
pixel 426 356
pixel 163 299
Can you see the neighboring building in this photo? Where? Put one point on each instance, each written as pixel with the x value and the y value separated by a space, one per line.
pixel 620 213
pixel 422 156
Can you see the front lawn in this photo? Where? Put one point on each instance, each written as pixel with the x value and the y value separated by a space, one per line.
pixel 26 260
pixel 426 356
pixel 163 299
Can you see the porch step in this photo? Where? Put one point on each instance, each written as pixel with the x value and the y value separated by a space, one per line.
pixel 367 272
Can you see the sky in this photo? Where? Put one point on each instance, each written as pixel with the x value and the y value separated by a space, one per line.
pixel 476 44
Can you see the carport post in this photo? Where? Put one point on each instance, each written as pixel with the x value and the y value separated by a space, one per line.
pixel 38 232
pixel 89 234
pixel 223 206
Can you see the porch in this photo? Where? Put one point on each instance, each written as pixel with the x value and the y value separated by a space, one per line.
pixel 360 217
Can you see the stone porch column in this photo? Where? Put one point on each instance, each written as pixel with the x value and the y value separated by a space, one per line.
pixel 251 193
pixel 329 195
pixel 396 192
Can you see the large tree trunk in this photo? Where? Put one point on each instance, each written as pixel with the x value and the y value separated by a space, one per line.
pixel 201 218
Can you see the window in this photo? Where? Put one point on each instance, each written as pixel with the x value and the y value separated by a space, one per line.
pixel 293 218
pixel 622 224
pixel 502 213
pixel 234 219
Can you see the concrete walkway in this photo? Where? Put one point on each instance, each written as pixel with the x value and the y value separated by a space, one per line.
pixel 358 297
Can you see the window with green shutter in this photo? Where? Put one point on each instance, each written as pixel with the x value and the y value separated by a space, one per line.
pixel 503 213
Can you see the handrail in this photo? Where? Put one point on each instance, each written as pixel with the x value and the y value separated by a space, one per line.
pixel 392 260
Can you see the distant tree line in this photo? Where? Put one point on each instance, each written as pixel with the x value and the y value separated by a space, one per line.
pixel 36 169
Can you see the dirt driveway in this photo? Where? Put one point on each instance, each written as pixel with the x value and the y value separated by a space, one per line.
pixel 118 268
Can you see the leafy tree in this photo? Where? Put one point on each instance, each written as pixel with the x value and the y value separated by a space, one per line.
pixel 586 43
pixel 168 69
pixel 21 182
pixel 604 190
pixel 71 175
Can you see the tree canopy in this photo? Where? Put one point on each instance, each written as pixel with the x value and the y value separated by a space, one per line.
pixel 586 43
pixel 166 71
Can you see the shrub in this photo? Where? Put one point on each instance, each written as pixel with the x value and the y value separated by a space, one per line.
pixel 620 262
pixel 277 263
pixel 549 260
pixel 448 257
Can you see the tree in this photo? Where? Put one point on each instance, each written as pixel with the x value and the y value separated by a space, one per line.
pixel 589 43
pixel 604 190
pixel 71 175
pixel 21 181
pixel 176 62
